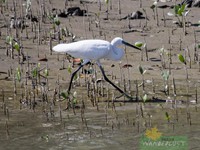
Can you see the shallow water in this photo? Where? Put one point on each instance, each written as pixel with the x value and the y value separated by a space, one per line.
pixel 108 128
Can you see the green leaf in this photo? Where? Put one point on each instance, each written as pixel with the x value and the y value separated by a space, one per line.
pixel 35 72
pixel 17 47
pixel 144 98
pixel 139 44
pixel 166 87
pixel 75 94
pixel 181 58
pixel 141 70
pixel 50 17
pixel 76 77
pixel 56 21
pixel 45 137
pixel 176 8
pixel 46 72
pixel 107 1
pixel 18 75
pixel 2 1
pixel 64 95
pixel 74 100
pixel 152 6
pixel 162 50
pixel 167 116
pixel 9 40
pixel 38 65
pixel 69 69
pixel 181 10
pixel 165 75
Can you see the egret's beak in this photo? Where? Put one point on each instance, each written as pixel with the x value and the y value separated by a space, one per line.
pixel 125 43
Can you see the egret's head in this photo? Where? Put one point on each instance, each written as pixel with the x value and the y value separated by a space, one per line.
pixel 118 41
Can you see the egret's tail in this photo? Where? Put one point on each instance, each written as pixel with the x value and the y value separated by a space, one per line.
pixel 60 48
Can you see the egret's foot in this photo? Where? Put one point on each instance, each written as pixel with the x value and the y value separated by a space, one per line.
pixel 129 97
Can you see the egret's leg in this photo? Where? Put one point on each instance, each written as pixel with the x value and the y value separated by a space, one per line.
pixel 74 73
pixel 72 77
pixel 106 78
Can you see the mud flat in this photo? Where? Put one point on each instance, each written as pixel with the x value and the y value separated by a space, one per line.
pixel 33 79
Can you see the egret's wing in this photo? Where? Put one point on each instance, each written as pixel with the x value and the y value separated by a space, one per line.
pixel 86 49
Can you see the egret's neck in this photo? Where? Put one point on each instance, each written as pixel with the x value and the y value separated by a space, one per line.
pixel 115 42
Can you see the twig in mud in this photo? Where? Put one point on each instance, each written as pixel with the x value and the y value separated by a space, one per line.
pixel 146 50
pixel 146 18
pixel 195 47
pixel 119 7
pixel 140 3
pixel 7 130
pixel 180 43
pixel 174 87
pixel 164 19
pixel 153 86
pixel 196 93
pixel 137 91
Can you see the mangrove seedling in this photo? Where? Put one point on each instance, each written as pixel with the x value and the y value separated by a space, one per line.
pixel 142 72
pixel 14 45
pixel 144 98
pixel 18 74
pixel 72 100
pixel 56 21
pixel 165 75
pixel 56 24
pixel 46 72
pixel 180 13
pixel 9 41
pixel 154 7
pixel 17 47
pixel 35 71
pixel 69 69
pixel 183 60
pixel 141 45
pixel 163 52
pixel 45 138
pixel 167 116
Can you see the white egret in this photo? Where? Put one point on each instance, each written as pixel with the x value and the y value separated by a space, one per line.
pixel 94 50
